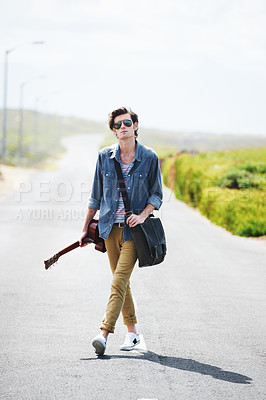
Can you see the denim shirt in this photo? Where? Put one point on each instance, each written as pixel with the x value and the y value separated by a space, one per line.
pixel 144 186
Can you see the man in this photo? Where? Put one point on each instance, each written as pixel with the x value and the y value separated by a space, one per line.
pixel 142 178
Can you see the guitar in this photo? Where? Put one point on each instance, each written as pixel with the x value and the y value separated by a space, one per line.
pixel 91 237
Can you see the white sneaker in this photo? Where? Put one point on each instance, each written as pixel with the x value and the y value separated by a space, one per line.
pixel 99 343
pixel 131 340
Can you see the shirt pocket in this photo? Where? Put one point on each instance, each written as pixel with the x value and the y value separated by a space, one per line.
pixel 140 181
pixel 108 179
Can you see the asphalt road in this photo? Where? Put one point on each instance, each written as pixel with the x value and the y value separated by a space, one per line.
pixel 201 313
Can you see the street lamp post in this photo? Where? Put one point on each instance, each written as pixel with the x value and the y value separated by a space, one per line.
pixel 4 114
pixel 21 113
pixel 36 124
pixel 20 131
pixel 4 105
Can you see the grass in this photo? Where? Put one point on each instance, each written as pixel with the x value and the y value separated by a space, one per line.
pixel 228 187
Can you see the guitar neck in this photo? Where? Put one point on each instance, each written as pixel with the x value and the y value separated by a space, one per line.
pixel 68 248
pixel 73 246
pixel 92 237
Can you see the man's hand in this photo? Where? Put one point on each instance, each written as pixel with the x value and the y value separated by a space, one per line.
pixel 135 220
pixel 90 215
pixel 82 236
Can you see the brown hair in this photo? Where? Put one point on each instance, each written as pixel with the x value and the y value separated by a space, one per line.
pixel 121 111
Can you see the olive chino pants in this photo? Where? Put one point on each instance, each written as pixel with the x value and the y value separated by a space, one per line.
pixel 122 257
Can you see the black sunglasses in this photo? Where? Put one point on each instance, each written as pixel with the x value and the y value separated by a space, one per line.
pixel 126 122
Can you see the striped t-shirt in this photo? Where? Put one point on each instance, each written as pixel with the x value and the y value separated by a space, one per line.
pixel 120 212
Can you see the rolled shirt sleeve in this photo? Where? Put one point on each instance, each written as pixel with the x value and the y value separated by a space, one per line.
pixel 155 184
pixel 97 187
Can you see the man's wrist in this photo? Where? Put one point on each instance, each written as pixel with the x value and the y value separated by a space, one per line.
pixel 147 211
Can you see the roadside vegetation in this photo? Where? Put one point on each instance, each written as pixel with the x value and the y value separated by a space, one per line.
pixel 41 136
pixel 227 187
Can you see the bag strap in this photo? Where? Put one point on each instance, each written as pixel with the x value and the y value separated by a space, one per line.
pixel 122 188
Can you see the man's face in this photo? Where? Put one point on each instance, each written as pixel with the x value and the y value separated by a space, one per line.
pixel 124 132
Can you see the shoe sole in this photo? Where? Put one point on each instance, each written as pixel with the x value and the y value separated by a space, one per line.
pixel 128 348
pixel 99 347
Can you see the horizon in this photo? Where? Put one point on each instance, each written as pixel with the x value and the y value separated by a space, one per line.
pixel 141 127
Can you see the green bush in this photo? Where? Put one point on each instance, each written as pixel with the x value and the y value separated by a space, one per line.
pixel 228 187
pixel 240 212
pixel 259 168
pixel 238 179
pixel 193 173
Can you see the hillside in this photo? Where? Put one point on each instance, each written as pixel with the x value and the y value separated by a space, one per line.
pixel 197 141
pixel 42 132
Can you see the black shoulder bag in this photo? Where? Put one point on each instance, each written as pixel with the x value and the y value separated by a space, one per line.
pixel 149 237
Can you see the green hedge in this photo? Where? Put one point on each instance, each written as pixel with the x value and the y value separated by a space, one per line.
pixel 228 187
pixel 240 212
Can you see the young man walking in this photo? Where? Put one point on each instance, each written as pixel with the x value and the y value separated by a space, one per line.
pixel 141 172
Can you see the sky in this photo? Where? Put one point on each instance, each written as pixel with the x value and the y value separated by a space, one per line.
pixel 183 65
